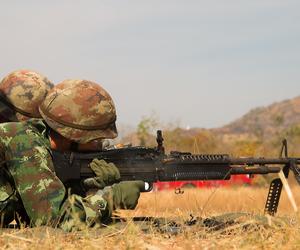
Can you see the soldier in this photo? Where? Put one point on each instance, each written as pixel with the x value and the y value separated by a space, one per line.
pixel 21 93
pixel 75 112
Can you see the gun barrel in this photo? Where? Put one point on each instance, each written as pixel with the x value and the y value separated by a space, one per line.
pixel 254 170
pixel 262 161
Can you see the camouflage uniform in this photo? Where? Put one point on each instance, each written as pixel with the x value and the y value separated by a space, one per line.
pixel 25 148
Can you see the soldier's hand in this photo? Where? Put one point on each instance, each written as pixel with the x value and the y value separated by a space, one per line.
pixel 106 174
pixel 126 194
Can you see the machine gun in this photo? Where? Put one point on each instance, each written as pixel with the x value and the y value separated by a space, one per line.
pixel 152 165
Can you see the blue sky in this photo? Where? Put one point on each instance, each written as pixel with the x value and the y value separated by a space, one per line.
pixel 204 63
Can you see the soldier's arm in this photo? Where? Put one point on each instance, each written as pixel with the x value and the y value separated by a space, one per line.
pixel 30 165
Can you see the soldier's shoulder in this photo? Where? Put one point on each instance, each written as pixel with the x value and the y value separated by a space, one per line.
pixel 29 135
pixel 15 127
pixel 33 128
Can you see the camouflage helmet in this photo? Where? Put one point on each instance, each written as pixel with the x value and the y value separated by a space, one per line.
pixel 21 93
pixel 80 110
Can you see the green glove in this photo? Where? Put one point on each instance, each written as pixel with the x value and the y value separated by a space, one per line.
pixel 106 174
pixel 126 194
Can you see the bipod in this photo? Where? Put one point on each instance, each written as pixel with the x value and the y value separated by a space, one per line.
pixel 276 185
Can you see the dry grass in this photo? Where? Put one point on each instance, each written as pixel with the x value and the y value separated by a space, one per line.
pixel 202 203
pixel 207 202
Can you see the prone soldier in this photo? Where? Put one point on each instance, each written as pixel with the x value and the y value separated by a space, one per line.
pixel 75 113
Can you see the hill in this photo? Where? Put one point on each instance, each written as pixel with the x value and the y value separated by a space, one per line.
pixel 267 121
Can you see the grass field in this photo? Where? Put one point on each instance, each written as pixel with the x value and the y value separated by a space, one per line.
pixel 248 234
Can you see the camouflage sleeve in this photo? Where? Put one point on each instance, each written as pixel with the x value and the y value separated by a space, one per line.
pixel 29 164
pixel 78 213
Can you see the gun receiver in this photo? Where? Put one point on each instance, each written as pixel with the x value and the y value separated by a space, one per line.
pixel 152 165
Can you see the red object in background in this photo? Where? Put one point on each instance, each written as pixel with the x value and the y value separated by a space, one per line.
pixel 234 180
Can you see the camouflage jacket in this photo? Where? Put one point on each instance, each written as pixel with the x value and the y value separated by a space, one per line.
pixel 25 149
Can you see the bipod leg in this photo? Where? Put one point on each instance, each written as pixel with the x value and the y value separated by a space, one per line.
pixel 276 184
pixel 273 197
